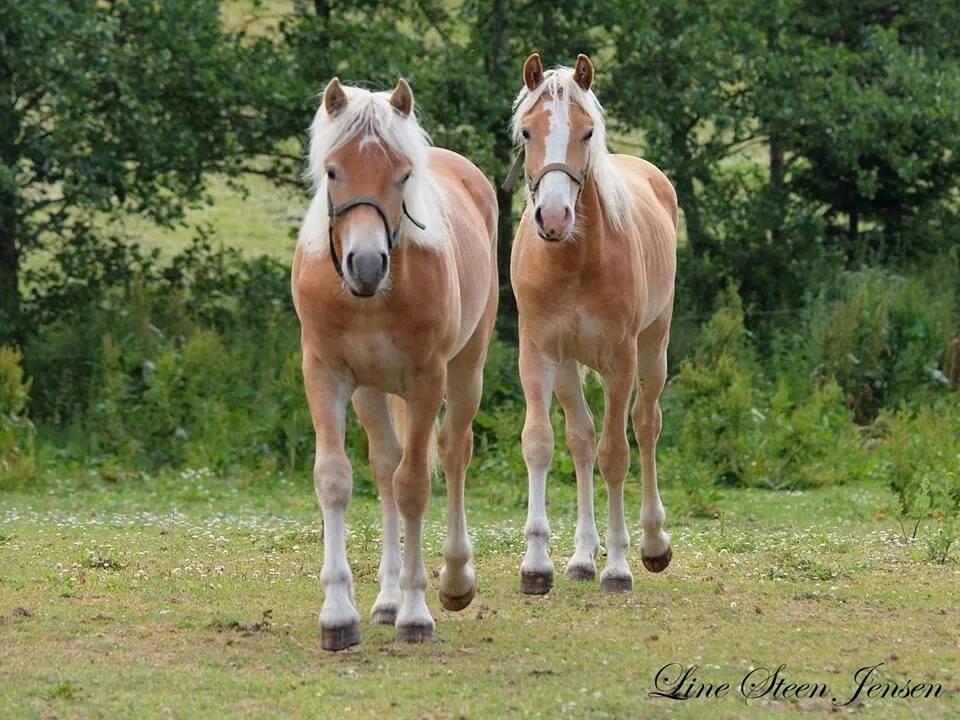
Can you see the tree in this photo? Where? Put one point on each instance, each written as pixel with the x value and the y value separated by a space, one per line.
pixel 112 107
pixel 867 97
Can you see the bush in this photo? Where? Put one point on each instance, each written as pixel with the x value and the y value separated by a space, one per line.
pixel 16 430
pixel 918 456
pixel 730 424
pixel 878 333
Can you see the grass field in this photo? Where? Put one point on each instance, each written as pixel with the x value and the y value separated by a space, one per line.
pixel 192 596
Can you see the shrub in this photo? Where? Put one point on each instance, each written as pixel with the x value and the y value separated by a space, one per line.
pixel 878 333
pixel 16 430
pixel 731 424
pixel 918 456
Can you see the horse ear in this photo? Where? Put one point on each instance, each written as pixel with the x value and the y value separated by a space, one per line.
pixel 334 98
pixel 402 98
pixel 583 72
pixel 532 72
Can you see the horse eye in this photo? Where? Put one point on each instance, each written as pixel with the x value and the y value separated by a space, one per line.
pixel 525 133
pixel 588 135
pixel 331 174
pixel 406 177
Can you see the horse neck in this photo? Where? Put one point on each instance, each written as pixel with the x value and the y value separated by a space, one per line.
pixel 592 226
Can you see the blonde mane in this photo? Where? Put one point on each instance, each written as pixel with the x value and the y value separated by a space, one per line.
pixel 559 82
pixel 370 115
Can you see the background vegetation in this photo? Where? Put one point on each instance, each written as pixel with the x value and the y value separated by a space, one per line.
pixel 151 407
pixel 144 142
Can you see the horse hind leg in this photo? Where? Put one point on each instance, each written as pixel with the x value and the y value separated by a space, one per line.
pixel 614 455
pixel 582 442
pixel 385 451
pixel 655 549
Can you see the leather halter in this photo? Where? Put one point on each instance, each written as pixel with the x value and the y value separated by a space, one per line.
pixel 578 176
pixel 334 212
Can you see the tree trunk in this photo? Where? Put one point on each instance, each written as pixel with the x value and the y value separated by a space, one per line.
pixel 853 229
pixel 9 250
pixel 691 212
pixel 777 163
pixel 9 271
pixel 497 66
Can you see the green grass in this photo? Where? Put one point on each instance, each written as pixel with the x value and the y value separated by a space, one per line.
pixel 191 596
pixel 261 221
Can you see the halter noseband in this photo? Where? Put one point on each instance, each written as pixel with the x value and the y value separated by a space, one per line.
pixel 336 211
pixel 578 176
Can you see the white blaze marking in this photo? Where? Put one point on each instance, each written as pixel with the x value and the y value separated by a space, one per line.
pixel 556 189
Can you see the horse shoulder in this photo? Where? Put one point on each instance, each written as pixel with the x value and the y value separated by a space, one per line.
pixel 655 179
pixel 461 173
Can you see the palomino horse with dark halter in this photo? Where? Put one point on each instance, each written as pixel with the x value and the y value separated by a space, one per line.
pixel 593 269
pixel 395 283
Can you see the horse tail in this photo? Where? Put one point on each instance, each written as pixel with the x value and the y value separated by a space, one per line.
pixel 398 413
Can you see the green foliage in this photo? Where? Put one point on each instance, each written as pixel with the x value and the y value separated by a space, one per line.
pixel 879 333
pixel 114 107
pixel 919 458
pixel 16 429
pixel 728 422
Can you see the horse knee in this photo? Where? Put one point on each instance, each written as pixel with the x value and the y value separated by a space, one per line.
pixel 614 457
pixel 537 444
pixel 582 442
pixel 411 487
pixel 332 479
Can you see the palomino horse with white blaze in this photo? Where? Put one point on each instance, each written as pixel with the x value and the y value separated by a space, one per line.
pixel 593 269
pixel 395 283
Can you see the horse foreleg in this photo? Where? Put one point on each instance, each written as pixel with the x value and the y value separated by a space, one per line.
pixel 614 455
pixel 458 583
pixel 537 375
pixel 327 395
pixel 384 453
pixel 582 443
pixel 411 488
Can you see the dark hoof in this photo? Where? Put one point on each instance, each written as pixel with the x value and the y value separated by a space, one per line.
pixel 616 584
pixel 415 633
pixel 658 564
pixel 338 638
pixel 459 602
pixel 384 616
pixel 534 583
pixel 581 572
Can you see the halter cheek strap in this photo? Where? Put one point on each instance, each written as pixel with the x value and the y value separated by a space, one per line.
pixel 335 212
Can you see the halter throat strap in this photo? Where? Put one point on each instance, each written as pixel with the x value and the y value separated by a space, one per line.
pixel 335 212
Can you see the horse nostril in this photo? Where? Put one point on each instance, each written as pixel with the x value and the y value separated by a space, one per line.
pixel 566 214
pixel 538 216
pixel 350 263
pixel 384 258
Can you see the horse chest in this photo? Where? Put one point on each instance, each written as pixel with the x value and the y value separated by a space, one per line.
pixel 584 335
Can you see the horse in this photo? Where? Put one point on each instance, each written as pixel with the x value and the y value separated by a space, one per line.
pixel 593 267
pixel 395 283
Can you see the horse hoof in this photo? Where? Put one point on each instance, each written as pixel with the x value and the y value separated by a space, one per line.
pixel 659 563
pixel 340 637
pixel 415 633
pixel 536 583
pixel 459 602
pixel 384 616
pixel 581 572
pixel 616 584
